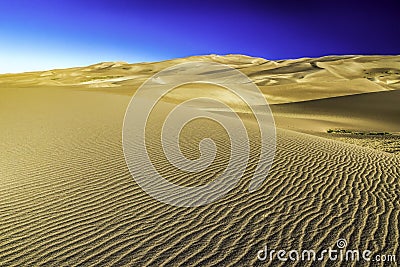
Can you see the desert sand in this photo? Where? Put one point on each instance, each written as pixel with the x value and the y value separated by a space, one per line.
pixel 67 197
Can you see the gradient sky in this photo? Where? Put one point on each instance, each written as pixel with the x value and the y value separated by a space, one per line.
pixel 39 35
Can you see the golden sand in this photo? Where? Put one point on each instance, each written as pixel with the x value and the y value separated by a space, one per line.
pixel 68 199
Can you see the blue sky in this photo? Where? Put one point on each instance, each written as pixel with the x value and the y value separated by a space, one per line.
pixel 39 35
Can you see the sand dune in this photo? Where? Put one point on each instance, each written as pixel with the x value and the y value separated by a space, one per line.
pixel 281 81
pixel 376 111
pixel 68 199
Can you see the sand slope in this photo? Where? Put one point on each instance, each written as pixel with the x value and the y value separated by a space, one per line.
pixel 67 197
pixel 378 111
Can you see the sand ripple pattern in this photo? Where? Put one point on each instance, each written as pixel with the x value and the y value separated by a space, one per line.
pixel 86 210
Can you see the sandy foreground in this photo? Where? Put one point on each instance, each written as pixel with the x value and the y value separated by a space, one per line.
pixel 67 197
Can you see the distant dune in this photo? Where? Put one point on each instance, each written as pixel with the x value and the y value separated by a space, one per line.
pixel 67 197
